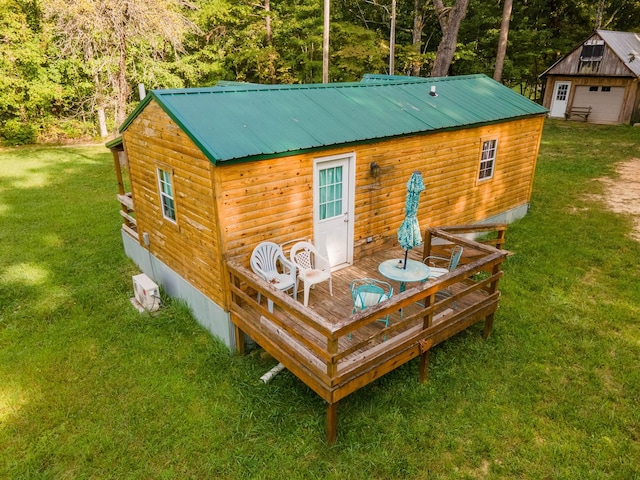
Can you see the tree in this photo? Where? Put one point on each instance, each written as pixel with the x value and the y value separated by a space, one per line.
pixel 326 16
pixel 104 47
pixel 502 42
pixel 419 7
pixel 450 19
pixel 102 33
pixel 33 91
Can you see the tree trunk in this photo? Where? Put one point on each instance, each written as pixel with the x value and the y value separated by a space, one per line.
pixel 267 8
pixel 123 88
pixel 102 122
pixel 418 26
pixel 599 14
pixel 325 44
pixel 450 20
pixel 99 103
pixel 502 42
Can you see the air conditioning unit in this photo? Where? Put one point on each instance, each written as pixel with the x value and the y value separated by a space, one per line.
pixel 147 293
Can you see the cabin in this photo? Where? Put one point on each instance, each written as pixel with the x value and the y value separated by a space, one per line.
pixel 206 174
pixel 597 81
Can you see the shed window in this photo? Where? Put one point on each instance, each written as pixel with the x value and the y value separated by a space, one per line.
pixel 165 184
pixel 593 89
pixel 593 50
pixel 487 159
pixel 591 56
pixel 605 89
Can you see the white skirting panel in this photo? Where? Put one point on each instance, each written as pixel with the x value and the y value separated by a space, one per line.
pixel 208 314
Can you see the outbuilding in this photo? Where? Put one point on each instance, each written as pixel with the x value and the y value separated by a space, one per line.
pixel 205 174
pixel 597 81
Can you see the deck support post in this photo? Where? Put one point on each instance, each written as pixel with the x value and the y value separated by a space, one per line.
pixel 493 288
pixel 425 344
pixel 239 340
pixel 332 422
pixel 488 325
pixel 118 168
pixel 423 372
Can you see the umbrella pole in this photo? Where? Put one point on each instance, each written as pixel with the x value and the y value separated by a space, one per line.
pixel 404 265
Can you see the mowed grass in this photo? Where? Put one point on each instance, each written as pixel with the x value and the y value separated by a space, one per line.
pixel 89 388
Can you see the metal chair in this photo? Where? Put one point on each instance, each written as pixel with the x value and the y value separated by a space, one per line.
pixel 441 265
pixel 268 261
pixel 312 267
pixel 367 292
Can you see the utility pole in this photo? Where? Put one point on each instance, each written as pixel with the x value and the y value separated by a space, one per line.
pixel 325 44
pixel 392 38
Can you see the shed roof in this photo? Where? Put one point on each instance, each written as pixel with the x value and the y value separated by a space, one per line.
pixel 232 121
pixel 625 46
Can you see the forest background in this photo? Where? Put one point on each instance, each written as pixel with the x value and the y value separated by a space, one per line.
pixel 70 69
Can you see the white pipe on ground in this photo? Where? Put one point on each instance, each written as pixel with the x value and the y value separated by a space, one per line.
pixel 272 373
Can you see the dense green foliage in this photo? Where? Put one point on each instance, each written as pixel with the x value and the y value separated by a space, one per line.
pixel 89 388
pixel 49 92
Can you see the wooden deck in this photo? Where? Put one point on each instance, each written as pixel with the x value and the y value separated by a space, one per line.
pixel 336 352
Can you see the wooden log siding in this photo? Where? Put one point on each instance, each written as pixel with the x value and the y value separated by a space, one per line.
pixel 273 199
pixel 223 210
pixel 328 356
pixel 629 101
pixel 190 247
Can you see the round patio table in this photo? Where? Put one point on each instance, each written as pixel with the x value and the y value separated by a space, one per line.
pixel 415 271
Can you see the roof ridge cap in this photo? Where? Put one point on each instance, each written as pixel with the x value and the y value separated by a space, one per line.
pixel 253 87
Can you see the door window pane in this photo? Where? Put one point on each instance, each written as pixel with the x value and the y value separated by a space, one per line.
pixel 330 192
pixel 562 92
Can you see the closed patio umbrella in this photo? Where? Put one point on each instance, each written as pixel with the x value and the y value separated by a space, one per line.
pixel 409 232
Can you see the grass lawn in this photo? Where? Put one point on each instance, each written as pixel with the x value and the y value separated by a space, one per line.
pixel 89 388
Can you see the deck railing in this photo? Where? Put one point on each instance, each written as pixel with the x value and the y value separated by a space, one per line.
pixel 336 356
pixel 127 212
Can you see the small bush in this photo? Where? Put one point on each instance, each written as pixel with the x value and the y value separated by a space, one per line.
pixel 15 132
pixel 66 131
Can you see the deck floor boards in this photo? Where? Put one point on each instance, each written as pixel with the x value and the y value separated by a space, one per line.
pixel 339 307
pixel 340 304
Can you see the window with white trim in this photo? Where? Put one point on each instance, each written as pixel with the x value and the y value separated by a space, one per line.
pixel 487 159
pixel 167 202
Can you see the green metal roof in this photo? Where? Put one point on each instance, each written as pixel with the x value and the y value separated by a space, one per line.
pixel 235 121
pixel 115 143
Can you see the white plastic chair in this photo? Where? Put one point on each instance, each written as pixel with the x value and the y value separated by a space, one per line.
pixel 286 246
pixel 268 261
pixel 312 267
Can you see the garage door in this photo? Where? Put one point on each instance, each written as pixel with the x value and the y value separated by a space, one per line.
pixel 606 102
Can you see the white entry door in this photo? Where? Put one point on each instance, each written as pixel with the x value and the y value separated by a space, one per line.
pixel 560 99
pixel 333 199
